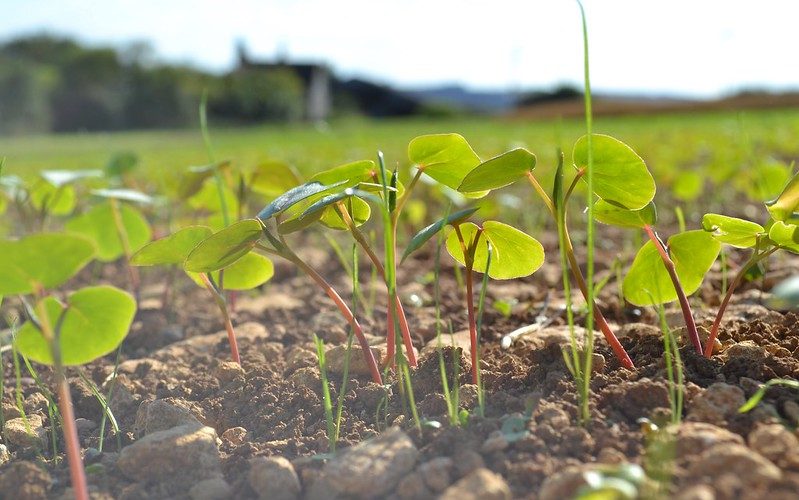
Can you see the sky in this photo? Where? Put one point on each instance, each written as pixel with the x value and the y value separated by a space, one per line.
pixel 701 48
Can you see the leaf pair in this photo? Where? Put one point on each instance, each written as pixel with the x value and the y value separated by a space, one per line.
pixel 197 249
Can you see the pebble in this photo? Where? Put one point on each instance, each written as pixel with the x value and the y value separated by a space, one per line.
pixel 746 349
pixel 235 435
pixel 179 455
pixel 25 479
pixel 775 442
pixel 229 371
pixel 22 435
pixel 370 469
pixel 480 484
pixel 791 409
pixel 735 459
pixel 496 441
pixel 274 478
pixel 412 487
pixel 215 488
pixel 437 473
pixel 160 415
pixel 716 403
pixel 693 438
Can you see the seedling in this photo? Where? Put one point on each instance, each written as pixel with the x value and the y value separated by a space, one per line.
pixel 203 254
pixel 781 232
pixel 761 392
pixel 345 208
pixel 277 245
pixel 92 321
pixel 515 254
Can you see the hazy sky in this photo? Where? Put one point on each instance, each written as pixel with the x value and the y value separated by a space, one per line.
pixel 700 47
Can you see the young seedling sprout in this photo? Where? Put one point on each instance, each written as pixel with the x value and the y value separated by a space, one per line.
pixel 277 245
pixel 621 178
pixel 781 232
pixel 203 254
pixel 344 207
pixel 514 255
pixel 91 323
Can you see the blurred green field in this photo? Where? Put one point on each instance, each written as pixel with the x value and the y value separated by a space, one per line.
pixel 666 141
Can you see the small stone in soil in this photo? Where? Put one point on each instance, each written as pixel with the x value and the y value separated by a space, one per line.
pixel 273 478
pixel 716 403
pixel 369 469
pixel 178 456
pixel 437 473
pixel 235 435
pixel 22 435
pixel 160 415
pixel 24 480
pixel 751 468
pixel 229 371
pixel 481 484
pixel 776 443
pixel 215 488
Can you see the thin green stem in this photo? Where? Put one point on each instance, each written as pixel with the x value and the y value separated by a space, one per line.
pixel 221 303
pixel 590 299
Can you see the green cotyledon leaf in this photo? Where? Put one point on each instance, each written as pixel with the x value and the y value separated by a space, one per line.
pixel 620 175
pixel 514 253
pixel 648 282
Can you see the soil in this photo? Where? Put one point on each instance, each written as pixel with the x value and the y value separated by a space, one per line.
pixel 272 405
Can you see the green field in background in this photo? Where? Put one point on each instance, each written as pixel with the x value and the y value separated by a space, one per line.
pixel 665 141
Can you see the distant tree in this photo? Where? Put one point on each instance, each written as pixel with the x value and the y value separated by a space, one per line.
pixel 258 95
pixel 25 90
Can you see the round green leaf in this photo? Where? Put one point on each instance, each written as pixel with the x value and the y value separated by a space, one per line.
pixel 348 175
pixel 53 200
pixel 688 185
pixel 95 322
pixel 248 272
pixel 648 282
pixel 44 260
pixel 224 247
pixel 499 171
pixel 620 175
pixel 608 213
pixel 739 233
pixel 99 226
pixel 514 253
pixel 787 202
pixel 447 158
pixel 785 236
pixel 272 178
pixel 172 249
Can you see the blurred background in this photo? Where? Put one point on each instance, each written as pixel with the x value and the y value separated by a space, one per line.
pixel 79 65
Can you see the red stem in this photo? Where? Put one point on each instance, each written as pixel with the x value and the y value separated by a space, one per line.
pixel 690 324
pixel 76 472
pixel 403 321
pixel 714 331
pixel 468 259
pixel 599 318
pixel 472 322
pixel 347 313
